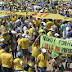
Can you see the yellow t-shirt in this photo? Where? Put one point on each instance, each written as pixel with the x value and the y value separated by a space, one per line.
pixel 49 34
pixel 17 64
pixel 0 21
pixel 23 43
pixel 34 21
pixel 31 66
pixel 35 51
pixel 68 55
pixel 49 24
pixel 15 18
pixel 42 60
pixel 3 29
pixel 6 36
pixel 56 62
pixel 6 59
pixel 54 0
pixel 45 11
pixel 1 51
pixel 31 31
pixel 38 23
pixel 40 31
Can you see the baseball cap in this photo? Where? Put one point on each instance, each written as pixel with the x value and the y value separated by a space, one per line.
pixel 19 54
pixel 44 50
pixel 2 40
pixel 55 55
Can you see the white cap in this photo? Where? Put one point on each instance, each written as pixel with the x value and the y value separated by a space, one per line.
pixel 2 40
pixel 44 50
pixel 56 34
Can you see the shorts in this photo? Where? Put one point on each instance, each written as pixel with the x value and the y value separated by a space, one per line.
pixel 5 69
pixel 42 69
pixel 56 68
pixel 25 52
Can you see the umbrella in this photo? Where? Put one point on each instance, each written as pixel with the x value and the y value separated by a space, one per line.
pixel 4 16
pixel 2 3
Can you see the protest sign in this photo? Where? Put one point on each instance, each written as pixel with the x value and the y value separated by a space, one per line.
pixel 56 44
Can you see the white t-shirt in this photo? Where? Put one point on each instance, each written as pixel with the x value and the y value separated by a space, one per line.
pixel 67 30
pixel 25 28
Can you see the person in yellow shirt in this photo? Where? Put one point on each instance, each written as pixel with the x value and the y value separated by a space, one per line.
pixel 1 51
pixel 13 18
pixel 7 61
pixel 6 37
pixel 56 62
pixel 0 21
pixel 36 11
pixel 4 27
pixel 19 63
pixel 31 31
pixel 42 60
pixel 45 11
pixel 49 24
pixel 50 32
pixel 32 65
pixel 35 49
pixel 24 43
pixel 38 22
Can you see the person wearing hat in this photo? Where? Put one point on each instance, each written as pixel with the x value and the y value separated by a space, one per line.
pixel 19 62
pixel 56 35
pixel 56 62
pixel 42 60
pixel 7 61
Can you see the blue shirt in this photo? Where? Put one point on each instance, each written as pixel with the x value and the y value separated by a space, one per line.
pixel 71 25
pixel 69 35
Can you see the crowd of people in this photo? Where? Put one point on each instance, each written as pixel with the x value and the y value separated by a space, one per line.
pixel 20 38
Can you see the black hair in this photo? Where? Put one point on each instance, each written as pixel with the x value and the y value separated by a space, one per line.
pixel 26 17
pixel 19 56
pixel 7 49
pixel 3 46
pixel 32 59
pixel 27 32
pixel 43 32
